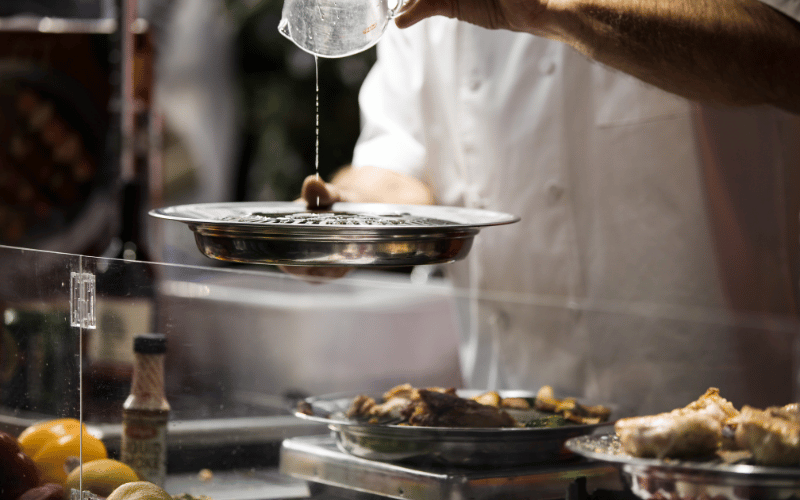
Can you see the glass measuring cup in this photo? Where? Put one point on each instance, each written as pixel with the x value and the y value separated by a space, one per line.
pixel 336 28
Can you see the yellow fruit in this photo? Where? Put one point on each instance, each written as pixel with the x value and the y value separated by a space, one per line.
pixel 139 490
pixel 37 435
pixel 53 455
pixel 101 477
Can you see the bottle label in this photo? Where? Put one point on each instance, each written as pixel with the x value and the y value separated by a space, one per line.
pixel 144 446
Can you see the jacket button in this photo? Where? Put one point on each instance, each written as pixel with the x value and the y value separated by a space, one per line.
pixel 547 66
pixel 554 191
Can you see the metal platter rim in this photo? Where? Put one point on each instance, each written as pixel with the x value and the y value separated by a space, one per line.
pixel 365 234
pixel 423 432
pixel 579 445
pixel 465 217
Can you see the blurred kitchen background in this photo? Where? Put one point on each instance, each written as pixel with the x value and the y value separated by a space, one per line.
pixel 219 107
pixel 224 105
pixel 205 101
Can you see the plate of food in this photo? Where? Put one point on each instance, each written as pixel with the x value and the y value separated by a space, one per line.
pixel 459 428
pixel 346 234
pixel 706 450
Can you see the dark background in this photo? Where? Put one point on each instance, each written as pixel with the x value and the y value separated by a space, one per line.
pixel 274 84
pixel 279 105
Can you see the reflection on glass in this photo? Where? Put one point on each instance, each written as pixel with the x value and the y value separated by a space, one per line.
pixel 245 344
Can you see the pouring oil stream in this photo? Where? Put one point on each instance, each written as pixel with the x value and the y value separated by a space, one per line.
pixel 316 148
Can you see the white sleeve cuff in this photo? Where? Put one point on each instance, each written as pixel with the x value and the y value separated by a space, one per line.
pixel 391 151
pixel 789 7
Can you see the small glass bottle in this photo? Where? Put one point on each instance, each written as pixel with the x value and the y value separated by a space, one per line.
pixel 145 412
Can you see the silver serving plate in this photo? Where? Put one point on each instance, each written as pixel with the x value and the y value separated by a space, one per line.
pixel 719 478
pixel 446 446
pixel 348 234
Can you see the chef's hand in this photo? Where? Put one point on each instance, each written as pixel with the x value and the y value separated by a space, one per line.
pixel 515 15
pixel 318 194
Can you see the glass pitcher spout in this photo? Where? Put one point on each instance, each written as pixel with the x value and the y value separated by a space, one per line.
pixel 283 28
pixel 335 28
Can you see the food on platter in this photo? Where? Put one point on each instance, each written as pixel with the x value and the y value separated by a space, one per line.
pixel 711 426
pixel 570 408
pixel 443 407
pixel 445 426
pixel 771 435
pixel 430 407
pixel 694 430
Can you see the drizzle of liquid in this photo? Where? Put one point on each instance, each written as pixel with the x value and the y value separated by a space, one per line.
pixel 316 146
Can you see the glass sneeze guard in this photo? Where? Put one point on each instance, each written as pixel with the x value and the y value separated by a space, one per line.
pixel 244 345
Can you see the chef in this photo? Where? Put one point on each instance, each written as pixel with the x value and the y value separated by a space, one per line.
pixel 657 251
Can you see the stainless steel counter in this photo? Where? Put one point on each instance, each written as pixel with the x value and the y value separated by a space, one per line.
pixel 243 484
pixel 318 460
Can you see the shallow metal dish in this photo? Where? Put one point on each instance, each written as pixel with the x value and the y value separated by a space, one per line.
pixel 721 478
pixel 349 234
pixel 447 446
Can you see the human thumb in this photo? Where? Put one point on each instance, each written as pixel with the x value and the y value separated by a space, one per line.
pixel 319 194
pixel 421 9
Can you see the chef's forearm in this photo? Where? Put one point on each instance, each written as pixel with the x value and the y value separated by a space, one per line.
pixel 738 52
pixel 379 185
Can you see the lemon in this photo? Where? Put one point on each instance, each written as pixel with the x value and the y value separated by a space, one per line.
pixel 101 477
pixel 52 457
pixel 37 435
pixel 139 490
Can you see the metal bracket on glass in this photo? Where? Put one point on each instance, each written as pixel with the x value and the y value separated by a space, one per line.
pixel 81 300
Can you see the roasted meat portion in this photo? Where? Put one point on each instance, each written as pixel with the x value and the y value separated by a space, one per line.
pixel 695 430
pixel 569 408
pixel 669 435
pixel 440 409
pixel 771 435
pixel 398 404
pixel 493 398
pixel 433 407
pixel 713 405
pixel 790 412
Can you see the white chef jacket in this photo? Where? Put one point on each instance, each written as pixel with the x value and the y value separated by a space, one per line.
pixel 594 290
pixel 789 7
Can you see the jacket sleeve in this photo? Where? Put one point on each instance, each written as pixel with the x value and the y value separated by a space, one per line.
pixel 390 99
pixel 789 7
